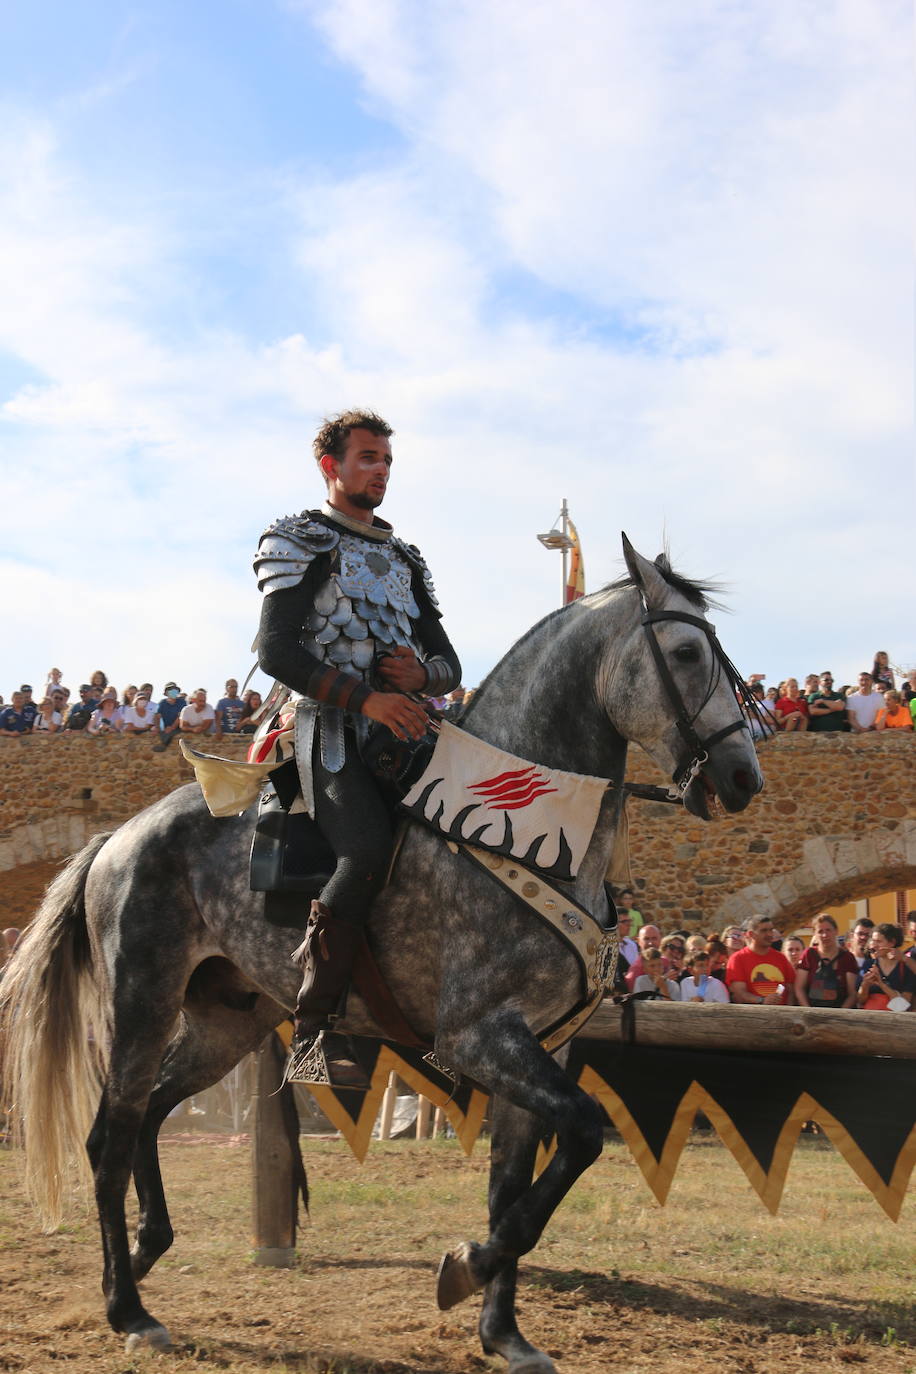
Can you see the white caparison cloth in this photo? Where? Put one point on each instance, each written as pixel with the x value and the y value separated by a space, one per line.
pixel 475 792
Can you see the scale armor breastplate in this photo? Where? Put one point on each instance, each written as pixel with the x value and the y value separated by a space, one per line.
pixel 364 607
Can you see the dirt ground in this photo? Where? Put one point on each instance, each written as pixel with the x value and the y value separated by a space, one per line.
pixel 709 1283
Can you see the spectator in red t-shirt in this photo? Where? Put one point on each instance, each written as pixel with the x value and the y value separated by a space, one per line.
pixel 792 708
pixel 760 974
pixel 827 974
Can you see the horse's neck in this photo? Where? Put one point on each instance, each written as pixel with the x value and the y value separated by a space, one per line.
pixel 541 704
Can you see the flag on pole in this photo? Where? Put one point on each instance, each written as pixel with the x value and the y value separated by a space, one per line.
pixel 575 578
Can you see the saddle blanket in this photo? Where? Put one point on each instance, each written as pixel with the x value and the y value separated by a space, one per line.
pixel 477 794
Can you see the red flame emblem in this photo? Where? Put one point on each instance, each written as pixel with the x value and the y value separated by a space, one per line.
pixel 512 791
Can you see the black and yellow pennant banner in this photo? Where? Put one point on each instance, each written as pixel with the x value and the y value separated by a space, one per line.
pixel 757 1104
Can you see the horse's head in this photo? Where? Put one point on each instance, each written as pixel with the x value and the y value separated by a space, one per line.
pixel 670 688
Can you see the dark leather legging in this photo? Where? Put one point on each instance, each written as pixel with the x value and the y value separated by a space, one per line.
pixel 355 822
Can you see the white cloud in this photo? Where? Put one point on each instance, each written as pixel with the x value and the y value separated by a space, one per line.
pixel 649 259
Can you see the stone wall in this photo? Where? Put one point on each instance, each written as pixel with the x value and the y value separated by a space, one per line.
pixel 837 821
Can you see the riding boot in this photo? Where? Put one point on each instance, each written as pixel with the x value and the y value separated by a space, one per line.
pixel 326 958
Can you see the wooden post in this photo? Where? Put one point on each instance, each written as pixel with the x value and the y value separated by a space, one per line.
pixel 388 1102
pixel 439 1121
pixel 424 1115
pixel 275 1203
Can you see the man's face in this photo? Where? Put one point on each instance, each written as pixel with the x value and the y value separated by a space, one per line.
pixel 865 681
pixel 826 681
pixel 650 937
pixel 623 924
pixel 734 939
pixel 824 933
pixel 762 936
pixel 200 699
pixel 625 901
pixel 232 688
pixel 362 473
pixel 860 937
pixel 18 701
pixel 26 694
pixel 58 701
pixel 911 929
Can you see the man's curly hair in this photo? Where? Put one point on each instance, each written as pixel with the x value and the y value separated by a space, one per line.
pixel 333 435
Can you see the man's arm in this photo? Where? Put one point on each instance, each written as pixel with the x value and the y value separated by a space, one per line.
pixel 281 655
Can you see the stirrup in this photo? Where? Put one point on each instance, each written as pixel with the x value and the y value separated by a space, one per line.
pixel 326 1060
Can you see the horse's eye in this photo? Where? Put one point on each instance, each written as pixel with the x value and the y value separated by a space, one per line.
pixel 687 653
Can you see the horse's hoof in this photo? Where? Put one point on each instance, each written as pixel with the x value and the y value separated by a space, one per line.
pixel 456 1279
pixel 535 1363
pixel 155 1337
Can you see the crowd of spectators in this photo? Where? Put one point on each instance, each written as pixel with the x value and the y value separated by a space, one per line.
pixel 874 967
pixel 874 702
pixel 97 708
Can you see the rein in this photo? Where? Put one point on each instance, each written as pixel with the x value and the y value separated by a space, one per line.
pixel 699 748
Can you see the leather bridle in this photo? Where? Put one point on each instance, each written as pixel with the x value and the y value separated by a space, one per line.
pixel 698 747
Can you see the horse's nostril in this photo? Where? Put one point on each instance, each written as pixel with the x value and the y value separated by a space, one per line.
pixel 742 779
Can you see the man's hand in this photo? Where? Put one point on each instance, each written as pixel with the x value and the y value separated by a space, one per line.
pixel 404 718
pixel 401 670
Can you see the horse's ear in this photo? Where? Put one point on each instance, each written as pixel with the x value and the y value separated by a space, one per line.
pixel 646 576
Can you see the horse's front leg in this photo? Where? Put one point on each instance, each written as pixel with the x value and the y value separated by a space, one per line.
pixel 513 1149
pixel 500 1052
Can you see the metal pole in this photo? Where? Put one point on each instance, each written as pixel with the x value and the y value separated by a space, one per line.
pixel 563 515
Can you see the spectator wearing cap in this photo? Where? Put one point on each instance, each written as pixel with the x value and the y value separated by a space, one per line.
pixel 826 708
pixel 229 708
pixel 29 707
pixel 106 718
pixel 167 714
pixel 138 717
pixel 12 719
pixel 198 717
pixel 863 706
pixel 80 713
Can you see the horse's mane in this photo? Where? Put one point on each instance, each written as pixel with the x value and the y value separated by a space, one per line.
pixel 699 594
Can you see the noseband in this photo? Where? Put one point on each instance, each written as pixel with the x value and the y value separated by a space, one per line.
pixel 698 748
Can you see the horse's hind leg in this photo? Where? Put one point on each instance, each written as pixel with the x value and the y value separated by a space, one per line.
pixel 211 1041
pixel 136 1052
pixel 513 1150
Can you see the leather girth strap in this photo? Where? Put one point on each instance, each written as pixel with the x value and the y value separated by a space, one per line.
pixel 378 997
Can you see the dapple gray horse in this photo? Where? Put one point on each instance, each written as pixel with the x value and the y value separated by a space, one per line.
pixel 152 937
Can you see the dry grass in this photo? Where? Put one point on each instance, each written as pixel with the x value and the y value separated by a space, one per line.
pixel 709 1283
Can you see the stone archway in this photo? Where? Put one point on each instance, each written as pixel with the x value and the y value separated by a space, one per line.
pixel 31 855
pixel 835 869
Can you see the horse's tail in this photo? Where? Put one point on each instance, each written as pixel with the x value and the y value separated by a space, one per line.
pixel 52 1025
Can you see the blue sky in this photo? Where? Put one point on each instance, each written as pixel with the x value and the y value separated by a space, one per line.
pixel 655 259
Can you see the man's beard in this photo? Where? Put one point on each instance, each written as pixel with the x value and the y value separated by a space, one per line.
pixel 363 501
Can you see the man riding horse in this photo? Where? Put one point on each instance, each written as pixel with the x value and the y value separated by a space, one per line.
pixel 349 621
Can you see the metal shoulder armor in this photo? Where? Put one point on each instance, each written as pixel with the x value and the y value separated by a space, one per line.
pixel 288 548
pixel 418 562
